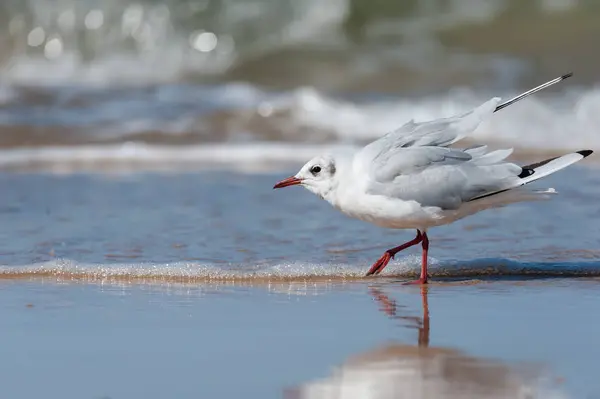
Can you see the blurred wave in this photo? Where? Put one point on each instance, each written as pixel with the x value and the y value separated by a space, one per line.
pixel 238 124
pixel 328 44
pixel 81 81
pixel 109 42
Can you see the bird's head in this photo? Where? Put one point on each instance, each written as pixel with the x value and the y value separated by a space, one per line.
pixel 319 176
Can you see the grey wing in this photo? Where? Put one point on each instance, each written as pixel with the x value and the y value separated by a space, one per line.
pixel 448 181
pixel 436 133
pixel 415 163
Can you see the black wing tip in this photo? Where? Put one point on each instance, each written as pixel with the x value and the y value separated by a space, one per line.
pixel 585 153
pixel 566 75
pixel 526 172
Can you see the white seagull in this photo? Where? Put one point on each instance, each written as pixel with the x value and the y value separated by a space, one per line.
pixel 411 179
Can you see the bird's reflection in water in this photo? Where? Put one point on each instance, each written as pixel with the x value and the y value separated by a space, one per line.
pixel 420 371
pixel 390 308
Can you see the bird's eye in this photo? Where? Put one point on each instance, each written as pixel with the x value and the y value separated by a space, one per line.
pixel 315 169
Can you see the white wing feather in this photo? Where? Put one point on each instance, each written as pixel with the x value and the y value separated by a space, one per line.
pixel 415 163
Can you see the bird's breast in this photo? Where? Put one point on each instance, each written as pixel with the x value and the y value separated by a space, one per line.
pixel 384 212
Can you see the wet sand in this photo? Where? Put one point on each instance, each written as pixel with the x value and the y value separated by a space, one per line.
pixel 369 339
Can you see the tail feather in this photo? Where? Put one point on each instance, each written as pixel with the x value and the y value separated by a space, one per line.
pixel 541 169
pixel 536 171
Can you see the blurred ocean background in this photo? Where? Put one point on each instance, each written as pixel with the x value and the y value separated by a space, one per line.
pixel 252 83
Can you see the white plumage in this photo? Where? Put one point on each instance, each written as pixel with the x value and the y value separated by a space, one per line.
pixel 411 178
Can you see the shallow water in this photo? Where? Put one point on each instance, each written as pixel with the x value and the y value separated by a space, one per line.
pixel 496 339
pixel 211 284
pixel 219 224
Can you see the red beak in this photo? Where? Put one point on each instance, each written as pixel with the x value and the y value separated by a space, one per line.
pixel 290 181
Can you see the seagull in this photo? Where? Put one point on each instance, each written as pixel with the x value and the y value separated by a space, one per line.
pixel 411 178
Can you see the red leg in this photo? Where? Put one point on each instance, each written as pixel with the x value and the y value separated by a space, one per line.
pixel 423 278
pixel 389 254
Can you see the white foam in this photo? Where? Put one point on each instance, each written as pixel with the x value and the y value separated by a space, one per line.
pixel 556 122
pixel 408 267
pixel 136 156
pixel 200 271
